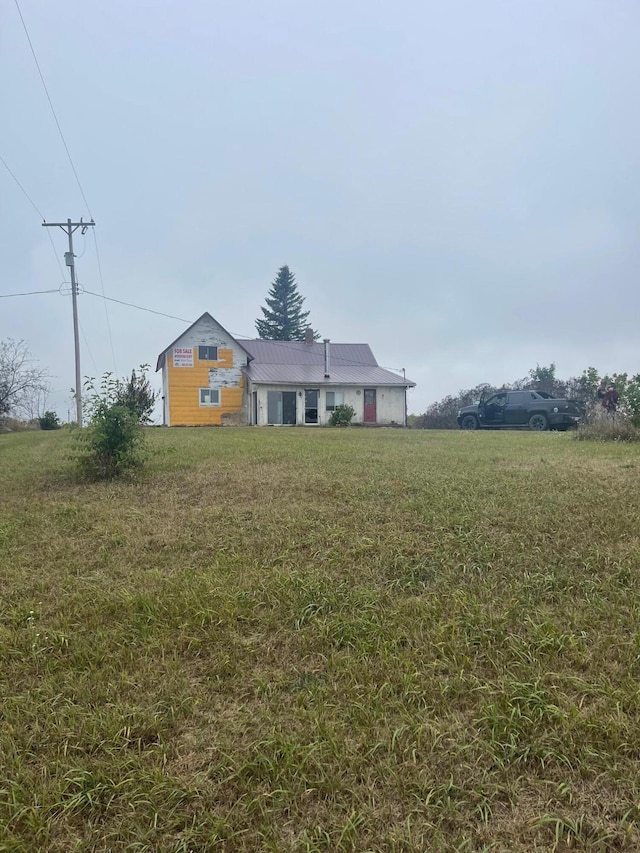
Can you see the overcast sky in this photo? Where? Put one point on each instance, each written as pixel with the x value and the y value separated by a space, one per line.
pixel 455 183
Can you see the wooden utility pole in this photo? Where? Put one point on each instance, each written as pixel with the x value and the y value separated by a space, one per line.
pixel 69 227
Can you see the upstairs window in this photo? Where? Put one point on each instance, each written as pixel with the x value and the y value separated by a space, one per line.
pixel 208 353
pixel 333 399
pixel 209 397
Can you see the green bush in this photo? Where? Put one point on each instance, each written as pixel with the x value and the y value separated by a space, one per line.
pixel 342 416
pixel 112 442
pixel 136 394
pixel 49 421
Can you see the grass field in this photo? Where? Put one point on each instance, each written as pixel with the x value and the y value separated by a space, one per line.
pixel 322 640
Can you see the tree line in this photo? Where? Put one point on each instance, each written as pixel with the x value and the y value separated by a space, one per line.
pixel 24 388
pixel 582 388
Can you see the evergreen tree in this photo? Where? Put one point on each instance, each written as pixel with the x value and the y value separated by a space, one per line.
pixel 284 319
pixel 136 395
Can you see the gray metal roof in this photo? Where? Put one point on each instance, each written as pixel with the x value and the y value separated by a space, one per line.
pixel 299 353
pixel 313 374
pixel 298 363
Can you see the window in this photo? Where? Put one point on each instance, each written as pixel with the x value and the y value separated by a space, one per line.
pixel 208 353
pixel 333 399
pixel 518 398
pixel 281 407
pixel 498 400
pixel 209 397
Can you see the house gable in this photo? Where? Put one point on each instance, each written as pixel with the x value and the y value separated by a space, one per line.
pixel 205 321
pixel 202 378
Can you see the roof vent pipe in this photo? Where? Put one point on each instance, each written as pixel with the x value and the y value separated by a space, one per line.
pixel 326 358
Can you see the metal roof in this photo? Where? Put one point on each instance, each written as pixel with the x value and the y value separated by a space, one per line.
pixel 299 363
pixel 313 374
pixel 299 353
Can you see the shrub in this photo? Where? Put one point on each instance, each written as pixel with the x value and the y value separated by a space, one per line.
pixel 136 394
pixel 342 416
pixel 608 429
pixel 15 425
pixel 49 421
pixel 113 440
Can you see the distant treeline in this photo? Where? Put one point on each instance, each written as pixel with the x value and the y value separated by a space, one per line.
pixel 442 415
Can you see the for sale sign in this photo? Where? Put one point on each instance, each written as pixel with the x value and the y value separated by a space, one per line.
pixel 183 357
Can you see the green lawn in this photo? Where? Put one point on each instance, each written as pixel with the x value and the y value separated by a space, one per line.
pixel 322 640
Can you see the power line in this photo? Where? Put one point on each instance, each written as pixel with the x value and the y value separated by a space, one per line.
pixel 86 343
pixel 26 194
pixel 82 193
pixel 84 197
pixel 239 337
pixel 36 208
pixel 106 311
pixel 139 307
pixel 55 117
pixel 28 293
pixel 53 246
pixel 84 246
pixel 344 361
pixel 75 173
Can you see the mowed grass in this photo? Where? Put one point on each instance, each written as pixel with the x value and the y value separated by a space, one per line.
pixel 322 640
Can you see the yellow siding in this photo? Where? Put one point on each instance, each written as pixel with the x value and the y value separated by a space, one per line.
pixel 184 395
pixel 225 358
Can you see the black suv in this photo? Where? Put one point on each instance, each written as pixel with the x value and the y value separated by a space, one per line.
pixel 533 409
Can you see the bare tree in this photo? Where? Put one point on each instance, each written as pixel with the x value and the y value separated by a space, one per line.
pixel 36 404
pixel 22 383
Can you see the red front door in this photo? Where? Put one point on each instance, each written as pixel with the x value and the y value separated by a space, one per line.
pixel 369 405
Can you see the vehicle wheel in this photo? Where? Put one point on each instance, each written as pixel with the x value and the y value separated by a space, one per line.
pixel 538 422
pixel 469 422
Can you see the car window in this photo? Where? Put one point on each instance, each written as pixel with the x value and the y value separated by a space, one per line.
pixel 517 397
pixel 497 400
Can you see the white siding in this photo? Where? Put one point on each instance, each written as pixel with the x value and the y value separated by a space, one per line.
pixel 165 395
pixel 208 333
pixel 390 403
pixel 390 406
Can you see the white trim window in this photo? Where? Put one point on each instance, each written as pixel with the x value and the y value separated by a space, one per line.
pixel 334 399
pixel 207 353
pixel 209 396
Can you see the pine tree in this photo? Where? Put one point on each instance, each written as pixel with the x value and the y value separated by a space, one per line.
pixel 284 319
pixel 136 395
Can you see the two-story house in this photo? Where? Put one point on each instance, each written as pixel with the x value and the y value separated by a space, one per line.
pixel 211 378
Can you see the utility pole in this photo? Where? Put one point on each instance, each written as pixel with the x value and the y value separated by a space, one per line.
pixel 404 376
pixel 69 227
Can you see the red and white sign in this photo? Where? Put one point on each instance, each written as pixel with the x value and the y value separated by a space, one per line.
pixel 183 357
